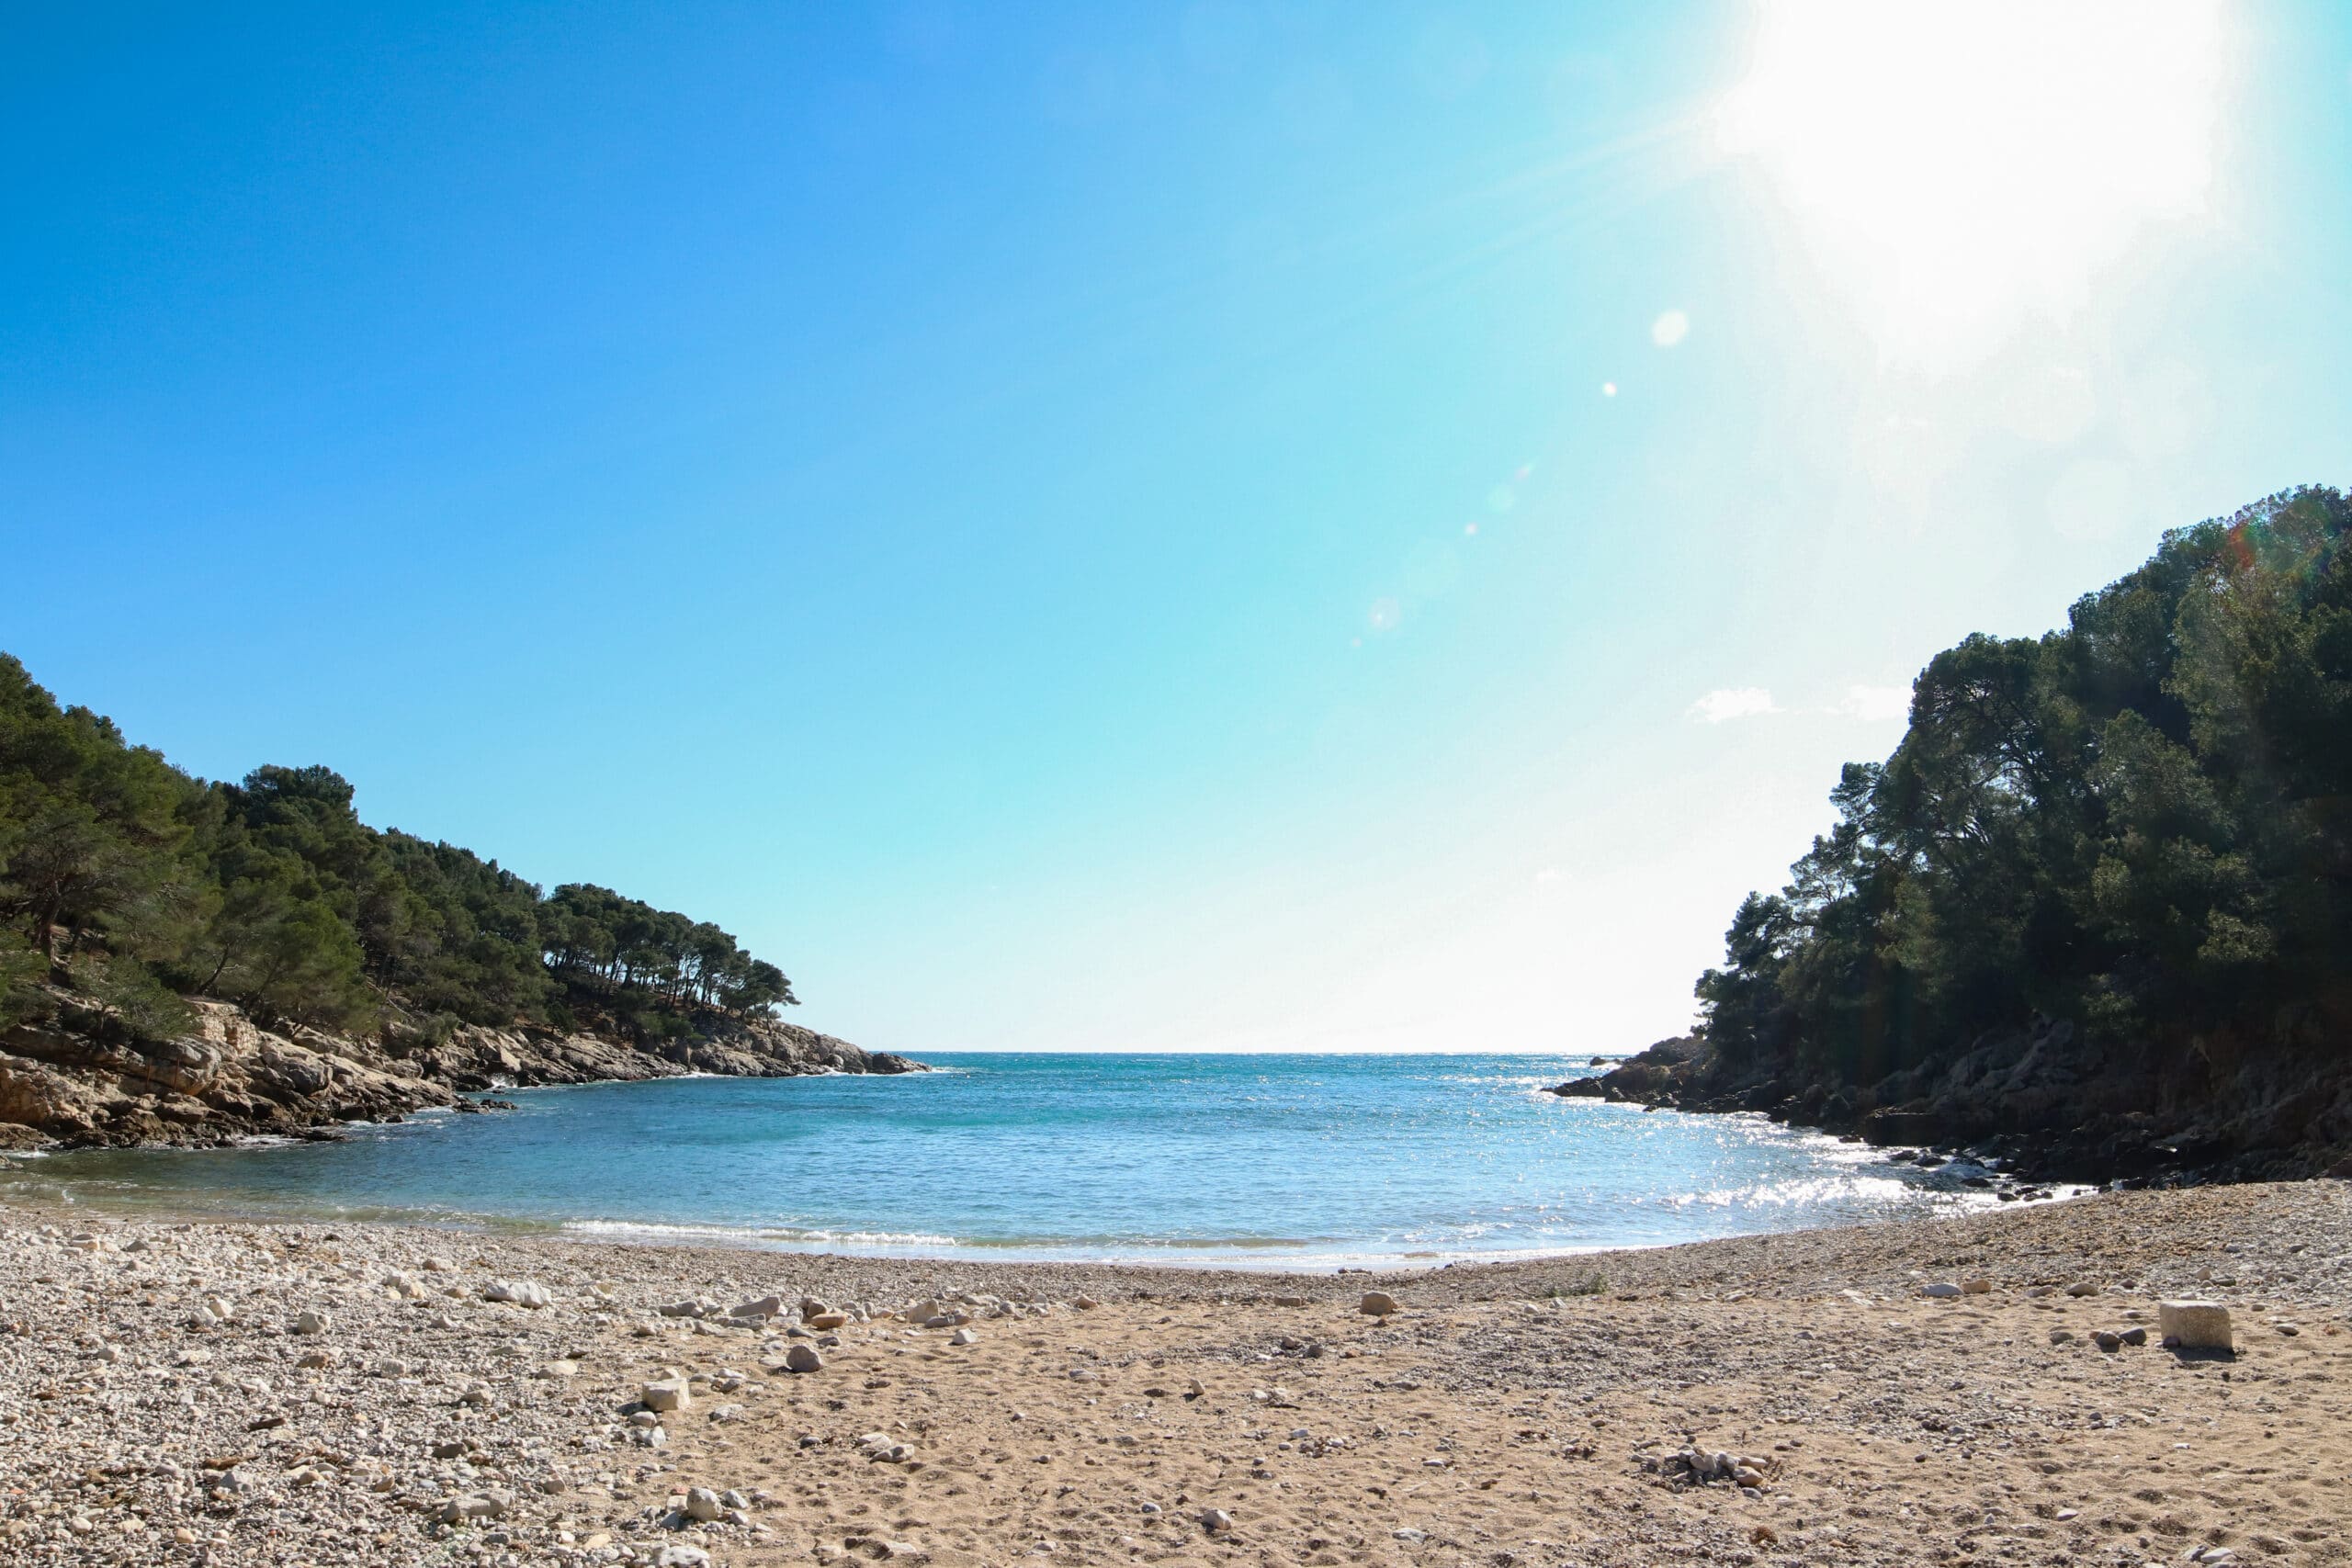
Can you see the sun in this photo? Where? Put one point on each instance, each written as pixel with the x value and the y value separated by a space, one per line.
pixel 1958 166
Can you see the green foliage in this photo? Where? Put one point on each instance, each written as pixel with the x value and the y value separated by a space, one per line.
pixel 118 873
pixel 596 939
pixel 20 975
pixel 2143 822
pixel 129 1000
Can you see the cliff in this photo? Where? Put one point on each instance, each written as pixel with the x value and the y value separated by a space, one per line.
pixel 2045 1103
pixel 70 1077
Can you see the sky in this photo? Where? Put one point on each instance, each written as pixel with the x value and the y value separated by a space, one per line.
pixel 1216 526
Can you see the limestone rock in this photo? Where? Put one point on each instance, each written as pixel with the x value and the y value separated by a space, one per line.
pixel 522 1292
pixel 2195 1325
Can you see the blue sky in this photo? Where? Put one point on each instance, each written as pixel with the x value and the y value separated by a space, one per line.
pixel 1168 525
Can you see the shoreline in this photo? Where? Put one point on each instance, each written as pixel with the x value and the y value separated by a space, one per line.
pixel 944 1253
pixel 231 1391
pixel 30 1179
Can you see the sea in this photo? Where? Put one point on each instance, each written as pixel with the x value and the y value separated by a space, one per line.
pixel 1315 1162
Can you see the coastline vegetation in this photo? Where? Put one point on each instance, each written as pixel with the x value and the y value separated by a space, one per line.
pixel 133 884
pixel 2140 824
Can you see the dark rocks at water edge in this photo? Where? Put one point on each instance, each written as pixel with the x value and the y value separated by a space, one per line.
pixel 2039 1105
pixel 66 1079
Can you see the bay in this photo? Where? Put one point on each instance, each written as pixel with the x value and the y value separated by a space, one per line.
pixel 1274 1160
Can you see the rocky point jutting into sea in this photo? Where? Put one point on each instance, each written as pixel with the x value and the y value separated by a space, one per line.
pixel 67 1077
pixel 2045 1103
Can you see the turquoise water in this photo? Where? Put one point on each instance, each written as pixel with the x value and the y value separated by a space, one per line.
pixel 1289 1160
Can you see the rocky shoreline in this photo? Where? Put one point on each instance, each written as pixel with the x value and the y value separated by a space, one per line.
pixel 1987 1388
pixel 2033 1109
pixel 68 1081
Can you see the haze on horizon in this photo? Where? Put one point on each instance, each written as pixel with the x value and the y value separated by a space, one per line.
pixel 1189 527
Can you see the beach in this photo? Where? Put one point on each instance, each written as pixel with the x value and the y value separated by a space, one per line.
pixel 232 1392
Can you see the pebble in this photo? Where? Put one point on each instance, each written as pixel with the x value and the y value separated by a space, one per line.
pixel 802 1357
pixel 1377 1303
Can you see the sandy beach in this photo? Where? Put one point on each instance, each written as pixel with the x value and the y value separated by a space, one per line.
pixel 174 1403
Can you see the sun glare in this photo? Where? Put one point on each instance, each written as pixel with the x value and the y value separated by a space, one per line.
pixel 1959 165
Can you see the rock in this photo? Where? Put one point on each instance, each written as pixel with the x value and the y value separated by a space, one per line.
pixel 2062 1336
pixel 1087 1303
pixel 2134 1336
pixel 312 1322
pixel 803 1359
pixel 475 1505
pixel 2195 1325
pixel 765 1306
pixel 2082 1288
pixel 963 1336
pixel 522 1292
pixel 826 1322
pixel 1289 1300
pixel 665 1395
pixel 678 1554
pixel 1216 1521
pixel 1377 1303
pixel 2106 1339
pixel 703 1506
pixel 1942 1289
pixel 1977 1286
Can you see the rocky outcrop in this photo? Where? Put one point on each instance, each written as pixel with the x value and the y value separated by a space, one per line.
pixel 68 1079
pixel 2045 1103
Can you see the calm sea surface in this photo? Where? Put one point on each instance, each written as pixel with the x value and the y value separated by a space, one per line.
pixel 1273 1160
